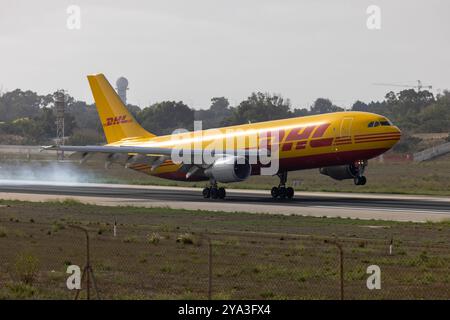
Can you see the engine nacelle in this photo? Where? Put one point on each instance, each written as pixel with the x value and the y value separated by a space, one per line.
pixel 340 172
pixel 229 169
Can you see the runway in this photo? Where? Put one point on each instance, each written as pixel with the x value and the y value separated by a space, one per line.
pixel 362 206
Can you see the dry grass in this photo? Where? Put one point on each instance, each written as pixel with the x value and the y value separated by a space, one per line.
pixel 254 256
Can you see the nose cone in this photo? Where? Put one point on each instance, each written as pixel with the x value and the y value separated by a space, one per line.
pixel 396 130
pixel 395 136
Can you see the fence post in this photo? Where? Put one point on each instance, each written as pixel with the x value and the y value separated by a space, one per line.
pixel 209 269
pixel 391 245
pixel 341 265
pixel 87 270
pixel 341 262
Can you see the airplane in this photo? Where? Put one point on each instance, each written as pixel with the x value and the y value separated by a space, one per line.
pixel 339 144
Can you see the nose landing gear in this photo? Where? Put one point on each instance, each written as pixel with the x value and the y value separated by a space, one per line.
pixel 282 191
pixel 360 179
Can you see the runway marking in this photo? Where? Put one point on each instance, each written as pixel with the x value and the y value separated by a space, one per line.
pixel 384 209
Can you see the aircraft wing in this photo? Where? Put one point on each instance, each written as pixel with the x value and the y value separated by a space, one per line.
pixel 128 155
pixel 145 150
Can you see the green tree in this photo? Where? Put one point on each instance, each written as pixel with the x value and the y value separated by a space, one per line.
pixel 360 106
pixel 167 116
pixel 322 105
pixel 217 112
pixel 260 107
pixel 300 112
pixel 86 137
pixel 435 117
pixel 20 104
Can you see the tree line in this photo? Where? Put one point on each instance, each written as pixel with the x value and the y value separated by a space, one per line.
pixel 29 118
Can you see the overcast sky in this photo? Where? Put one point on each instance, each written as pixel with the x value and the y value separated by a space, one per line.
pixel 197 49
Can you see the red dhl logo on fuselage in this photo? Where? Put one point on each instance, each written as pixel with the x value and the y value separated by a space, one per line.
pixel 300 135
pixel 116 120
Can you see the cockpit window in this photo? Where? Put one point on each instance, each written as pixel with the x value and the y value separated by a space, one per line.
pixel 373 124
pixel 384 122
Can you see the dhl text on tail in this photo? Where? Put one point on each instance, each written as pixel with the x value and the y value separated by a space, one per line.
pixel 339 144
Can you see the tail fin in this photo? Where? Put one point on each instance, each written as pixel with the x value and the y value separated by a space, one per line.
pixel 117 121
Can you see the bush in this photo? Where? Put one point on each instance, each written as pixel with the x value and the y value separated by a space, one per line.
pixel 3 232
pixel 154 238
pixel 101 231
pixel 56 226
pixel 188 238
pixel 362 244
pixel 26 268
pixel 20 291
pixel 130 239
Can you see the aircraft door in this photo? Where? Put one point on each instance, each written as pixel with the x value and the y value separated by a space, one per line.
pixel 343 133
pixel 346 127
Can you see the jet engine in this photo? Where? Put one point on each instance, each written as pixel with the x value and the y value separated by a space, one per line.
pixel 229 169
pixel 340 172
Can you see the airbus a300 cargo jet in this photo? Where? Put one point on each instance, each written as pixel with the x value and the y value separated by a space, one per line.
pixel 339 144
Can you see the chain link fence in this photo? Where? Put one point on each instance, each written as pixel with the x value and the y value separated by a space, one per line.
pixel 142 262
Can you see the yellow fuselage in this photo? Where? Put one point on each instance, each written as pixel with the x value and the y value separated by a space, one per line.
pixel 304 142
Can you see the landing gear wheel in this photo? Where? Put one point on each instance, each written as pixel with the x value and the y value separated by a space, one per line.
pixel 360 181
pixel 274 192
pixel 214 193
pixel 289 192
pixel 282 192
pixel 206 193
pixel 221 193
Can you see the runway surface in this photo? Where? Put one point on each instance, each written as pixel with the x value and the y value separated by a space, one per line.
pixel 364 206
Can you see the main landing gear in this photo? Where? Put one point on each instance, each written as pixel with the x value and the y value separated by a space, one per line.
pixel 214 192
pixel 281 191
pixel 360 179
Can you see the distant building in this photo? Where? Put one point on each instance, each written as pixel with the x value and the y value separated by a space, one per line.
pixel 122 87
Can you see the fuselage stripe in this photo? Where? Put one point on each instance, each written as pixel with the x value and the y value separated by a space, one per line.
pixel 376 140
pixel 375 134
pixel 321 142
pixel 369 138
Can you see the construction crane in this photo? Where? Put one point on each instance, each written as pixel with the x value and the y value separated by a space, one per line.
pixel 419 85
